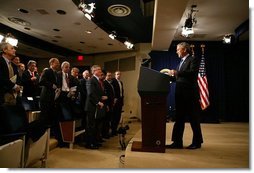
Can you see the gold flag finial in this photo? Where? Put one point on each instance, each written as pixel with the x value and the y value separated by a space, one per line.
pixel 192 49
pixel 203 48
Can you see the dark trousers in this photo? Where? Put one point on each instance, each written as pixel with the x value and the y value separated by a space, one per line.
pixel 192 112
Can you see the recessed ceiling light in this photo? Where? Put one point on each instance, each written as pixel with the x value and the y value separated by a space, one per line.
pixel 61 12
pixel 82 42
pixel 56 29
pixel 27 28
pixel 23 10
pixel 88 32
pixel 19 21
pixel 57 36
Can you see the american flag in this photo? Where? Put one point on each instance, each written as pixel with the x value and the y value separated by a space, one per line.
pixel 203 85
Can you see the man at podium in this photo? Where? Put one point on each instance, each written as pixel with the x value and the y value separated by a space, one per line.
pixel 186 98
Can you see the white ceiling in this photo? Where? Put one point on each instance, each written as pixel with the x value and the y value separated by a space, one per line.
pixel 215 18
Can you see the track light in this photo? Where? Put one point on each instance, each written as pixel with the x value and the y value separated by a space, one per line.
pixel 1 38
pixel 128 44
pixel 9 38
pixel 187 32
pixel 187 29
pixel 112 35
pixel 87 9
pixel 227 39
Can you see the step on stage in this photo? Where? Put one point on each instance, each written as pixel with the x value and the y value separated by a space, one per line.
pixel 226 145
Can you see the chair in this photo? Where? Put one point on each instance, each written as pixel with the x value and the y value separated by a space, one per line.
pixel 69 122
pixel 12 153
pixel 38 150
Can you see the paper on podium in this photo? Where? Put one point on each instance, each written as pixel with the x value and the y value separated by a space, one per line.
pixel 165 71
pixel 14 79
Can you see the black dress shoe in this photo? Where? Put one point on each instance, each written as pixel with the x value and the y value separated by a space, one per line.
pixel 175 146
pixel 194 146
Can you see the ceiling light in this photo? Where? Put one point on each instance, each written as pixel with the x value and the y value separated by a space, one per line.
pixel 112 35
pixel 9 38
pixel 87 9
pixel 1 38
pixel 227 39
pixel 128 44
pixel 187 32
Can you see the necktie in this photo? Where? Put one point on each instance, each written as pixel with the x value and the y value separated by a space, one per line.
pixel 180 65
pixel 120 87
pixel 101 84
pixel 11 72
pixel 67 79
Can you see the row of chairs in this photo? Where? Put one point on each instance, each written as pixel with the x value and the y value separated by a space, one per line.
pixel 22 142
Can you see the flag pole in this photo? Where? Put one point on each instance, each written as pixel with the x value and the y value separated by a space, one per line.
pixel 202 48
pixel 192 49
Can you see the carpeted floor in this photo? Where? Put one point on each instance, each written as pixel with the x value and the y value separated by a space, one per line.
pixel 226 145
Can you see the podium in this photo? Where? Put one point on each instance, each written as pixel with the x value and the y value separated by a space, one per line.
pixel 153 88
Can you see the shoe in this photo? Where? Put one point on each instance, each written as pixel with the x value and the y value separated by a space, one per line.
pixel 92 146
pixel 194 146
pixel 175 146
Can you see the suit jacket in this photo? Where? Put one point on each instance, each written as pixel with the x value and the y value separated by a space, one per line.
pixel 6 84
pixel 109 91
pixel 186 83
pixel 30 88
pixel 48 78
pixel 94 94
pixel 117 91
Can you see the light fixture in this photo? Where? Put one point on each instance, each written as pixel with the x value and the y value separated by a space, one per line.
pixel 9 38
pixel 1 38
pixel 128 44
pixel 227 39
pixel 87 9
pixel 187 32
pixel 112 35
pixel 187 29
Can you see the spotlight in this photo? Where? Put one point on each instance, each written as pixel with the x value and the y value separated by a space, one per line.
pixel 87 9
pixel 1 38
pixel 187 32
pixel 112 35
pixel 9 38
pixel 227 39
pixel 128 44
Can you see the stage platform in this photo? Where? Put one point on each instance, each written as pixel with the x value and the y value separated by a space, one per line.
pixel 226 145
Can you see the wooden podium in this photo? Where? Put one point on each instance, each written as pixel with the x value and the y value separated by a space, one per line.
pixel 153 88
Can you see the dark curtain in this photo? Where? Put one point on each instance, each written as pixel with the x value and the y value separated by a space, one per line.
pixel 227 74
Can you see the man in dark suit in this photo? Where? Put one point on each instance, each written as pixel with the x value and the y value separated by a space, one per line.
pixel 118 101
pixel 186 98
pixel 110 93
pixel 7 71
pixel 30 81
pixel 48 81
pixel 94 106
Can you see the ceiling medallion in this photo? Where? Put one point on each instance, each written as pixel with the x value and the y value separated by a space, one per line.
pixel 119 10
pixel 19 21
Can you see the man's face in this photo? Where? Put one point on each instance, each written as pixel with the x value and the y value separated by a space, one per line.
pixel 10 51
pixel 109 76
pixel 66 68
pixel 97 72
pixel 181 51
pixel 56 64
pixel 118 75
pixel 32 67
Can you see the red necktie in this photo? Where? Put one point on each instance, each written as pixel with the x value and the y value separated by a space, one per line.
pixel 101 84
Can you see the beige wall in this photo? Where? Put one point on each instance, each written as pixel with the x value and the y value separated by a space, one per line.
pixel 130 78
